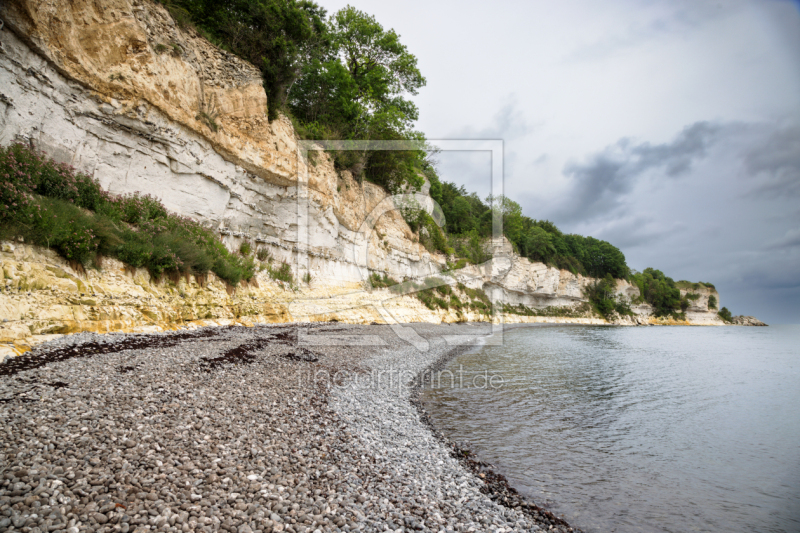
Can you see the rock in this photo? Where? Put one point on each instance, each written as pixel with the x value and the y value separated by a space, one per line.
pixel 742 320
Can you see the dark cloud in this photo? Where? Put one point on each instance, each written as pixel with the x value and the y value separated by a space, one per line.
pixel 717 203
pixel 776 162
pixel 790 240
pixel 600 183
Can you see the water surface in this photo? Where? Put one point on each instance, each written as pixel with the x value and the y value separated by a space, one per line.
pixel 639 429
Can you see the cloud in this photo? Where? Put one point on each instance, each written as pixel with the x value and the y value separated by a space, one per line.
pixel 600 183
pixel 790 240
pixel 776 161
pixel 508 123
pixel 473 170
pixel 656 22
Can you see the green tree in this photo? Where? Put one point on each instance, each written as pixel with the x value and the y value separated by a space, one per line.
pixel 357 90
pixel 538 245
pixel 725 315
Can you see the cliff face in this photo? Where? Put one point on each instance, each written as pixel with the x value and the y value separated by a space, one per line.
pixel 116 89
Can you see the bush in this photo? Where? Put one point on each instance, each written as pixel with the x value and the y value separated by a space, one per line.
pixel 471 248
pixel 264 255
pixel 725 315
pixel 601 295
pixel 380 282
pixel 712 302
pixel 245 249
pixel 659 291
pixel 52 205
pixel 282 273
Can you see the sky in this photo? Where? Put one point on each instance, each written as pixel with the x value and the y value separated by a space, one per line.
pixel 669 128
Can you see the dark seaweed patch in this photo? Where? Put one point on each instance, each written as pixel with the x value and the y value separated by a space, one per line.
pixel 30 361
pixel 302 355
pixel 244 354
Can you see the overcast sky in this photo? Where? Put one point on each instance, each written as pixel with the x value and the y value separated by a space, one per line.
pixel 669 128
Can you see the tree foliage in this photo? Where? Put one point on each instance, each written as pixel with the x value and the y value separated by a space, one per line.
pixel 356 90
pixel 725 314
pixel 539 240
pixel 659 291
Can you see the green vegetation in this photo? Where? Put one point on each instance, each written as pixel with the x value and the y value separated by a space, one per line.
pixel 307 278
pixel 51 205
pixel 208 120
pixel 263 255
pixel 245 249
pixel 469 220
pixel 712 302
pixel 689 285
pixel 380 282
pixel 659 291
pixel 578 311
pixel 725 315
pixel 601 295
pixel 282 273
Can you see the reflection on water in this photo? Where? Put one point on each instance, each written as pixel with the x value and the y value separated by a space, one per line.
pixel 640 429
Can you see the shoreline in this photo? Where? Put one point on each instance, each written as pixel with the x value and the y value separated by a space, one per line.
pixel 227 429
pixel 497 486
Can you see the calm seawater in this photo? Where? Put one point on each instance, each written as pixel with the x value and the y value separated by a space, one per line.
pixel 639 429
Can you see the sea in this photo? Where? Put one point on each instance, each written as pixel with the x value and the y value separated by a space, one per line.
pixel 636 429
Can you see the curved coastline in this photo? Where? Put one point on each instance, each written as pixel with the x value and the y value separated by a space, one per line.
pixel 496 486
pixel 227 429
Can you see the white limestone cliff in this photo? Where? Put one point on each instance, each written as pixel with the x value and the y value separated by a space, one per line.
pixel 117 90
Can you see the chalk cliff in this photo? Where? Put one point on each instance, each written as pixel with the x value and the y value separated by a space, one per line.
pixel 116 89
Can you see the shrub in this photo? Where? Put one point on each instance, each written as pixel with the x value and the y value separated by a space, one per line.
pixel 245 249
pixel 52 205
pixel 712 302
pixel 659 291
pixel 601 295
pixel 282 273
pixel 264 255
pixel 725 315
pixel 380 282
pixel 307 278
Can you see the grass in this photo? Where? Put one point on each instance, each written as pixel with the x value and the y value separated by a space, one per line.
pixel 690 285
pixel 208 120
pixel 52 205
pixel 282 273
pixel 579 311
pixel 263 255
pixel 381 282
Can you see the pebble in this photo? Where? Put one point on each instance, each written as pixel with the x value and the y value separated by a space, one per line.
pixel 229 430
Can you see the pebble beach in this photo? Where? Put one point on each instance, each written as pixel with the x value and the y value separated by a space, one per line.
pixel 241 430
